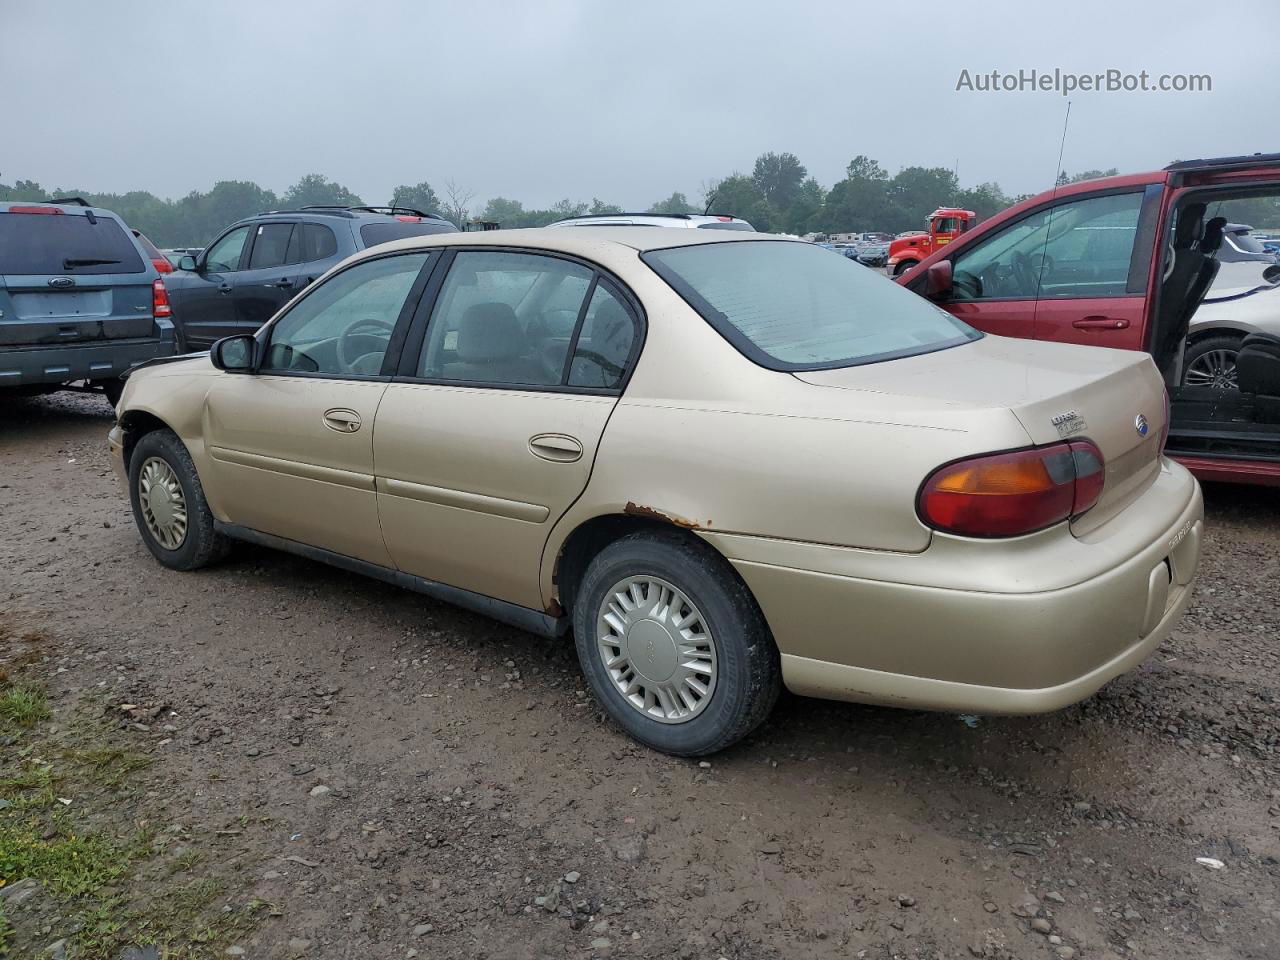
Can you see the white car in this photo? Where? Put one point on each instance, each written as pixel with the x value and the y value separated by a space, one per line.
pixel 1244 299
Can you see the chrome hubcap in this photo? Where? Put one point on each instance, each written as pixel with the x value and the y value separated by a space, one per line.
pixel 656 649
pixel 1216 368
pixel 164 507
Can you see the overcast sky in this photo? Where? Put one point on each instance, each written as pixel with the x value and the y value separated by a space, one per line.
pixel 625 101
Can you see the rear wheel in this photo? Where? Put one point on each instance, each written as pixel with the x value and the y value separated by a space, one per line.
pixel 1211 362
pixel 673 645
pixel 111 389
pixel 169 505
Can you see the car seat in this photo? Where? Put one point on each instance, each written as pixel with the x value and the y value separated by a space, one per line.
pixel 1258 372
pixel 492 348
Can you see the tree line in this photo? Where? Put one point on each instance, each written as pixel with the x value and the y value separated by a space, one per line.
pixel 778 195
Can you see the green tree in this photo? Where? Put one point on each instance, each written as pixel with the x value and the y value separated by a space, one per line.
pixel 600 207
pixel 779 177
pixel 740 196
pixel 1064 178
pixel 419 197
pixel 509 213
pixel 316 189
pixel 676 203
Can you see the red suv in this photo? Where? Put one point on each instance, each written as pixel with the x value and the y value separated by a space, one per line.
pixel 1125 262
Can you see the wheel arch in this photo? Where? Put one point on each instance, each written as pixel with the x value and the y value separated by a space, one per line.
pixel 136 424
pixel 570 557
pixel 1204 333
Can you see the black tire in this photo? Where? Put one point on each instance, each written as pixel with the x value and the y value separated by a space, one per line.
pixel 1198 351
pixel 903 267
pixel 749 674
pixel 111 389
pixel 202 544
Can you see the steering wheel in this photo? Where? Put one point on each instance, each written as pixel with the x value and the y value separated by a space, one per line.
pixel 364 358
pixel 1024 273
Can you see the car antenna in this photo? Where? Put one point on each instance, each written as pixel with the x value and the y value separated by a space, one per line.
pixel 1057 176
pixel 707 209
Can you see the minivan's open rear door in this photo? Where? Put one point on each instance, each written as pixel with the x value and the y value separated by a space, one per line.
pixel 1229 430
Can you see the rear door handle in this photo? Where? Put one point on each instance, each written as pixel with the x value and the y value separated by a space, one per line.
pixel 556 447
pixel 224 288
pixel 284 283
pixel 1100 323
pixel 342 420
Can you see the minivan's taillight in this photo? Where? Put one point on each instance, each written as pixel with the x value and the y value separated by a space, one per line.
pixel 162 265
pixel 1010 494
pixel 160 300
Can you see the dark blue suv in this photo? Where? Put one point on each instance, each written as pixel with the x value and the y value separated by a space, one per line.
pixel 257 264
pixel 80 301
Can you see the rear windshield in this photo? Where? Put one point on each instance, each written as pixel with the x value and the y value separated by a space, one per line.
pixel 43 244
pixel 727 225
pixel 375 233
pixel 795 306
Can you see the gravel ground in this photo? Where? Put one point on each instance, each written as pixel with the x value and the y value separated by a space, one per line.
pixel 401 778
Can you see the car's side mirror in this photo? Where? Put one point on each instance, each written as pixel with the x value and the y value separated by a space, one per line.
pixel 937 280
pixel 235 354
pixel 187 262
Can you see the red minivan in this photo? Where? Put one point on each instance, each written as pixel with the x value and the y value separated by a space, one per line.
pixel 1127 262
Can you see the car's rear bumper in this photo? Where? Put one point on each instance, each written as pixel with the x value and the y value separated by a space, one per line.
pixel 1043 626
pixel 63 363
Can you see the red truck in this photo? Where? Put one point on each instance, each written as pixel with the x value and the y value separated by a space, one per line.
pixel 1126 262
pixel 942 227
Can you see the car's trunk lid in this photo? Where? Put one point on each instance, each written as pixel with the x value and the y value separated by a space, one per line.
pixel 66 278
pixel 1115 398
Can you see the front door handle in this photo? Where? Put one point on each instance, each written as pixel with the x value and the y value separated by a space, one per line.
pixel 284 283
pixel 1100 323
pixel 224 288
pixel 556 447
pixel 342 420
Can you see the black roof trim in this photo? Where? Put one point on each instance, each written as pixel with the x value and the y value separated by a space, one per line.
pixel 78 201
pixel 393 211
pixel 1226 163
pixel 318 211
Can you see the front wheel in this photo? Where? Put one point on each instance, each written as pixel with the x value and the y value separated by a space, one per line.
pixel 903 267
pixel 1211 362
pixel 673 644
pixel 169 505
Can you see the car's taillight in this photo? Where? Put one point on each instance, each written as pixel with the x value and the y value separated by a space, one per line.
pixel 1009 494
pixel 162 265
pixel 51 211
pixel 160 300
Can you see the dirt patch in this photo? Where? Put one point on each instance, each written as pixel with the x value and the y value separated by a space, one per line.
pixel 396 777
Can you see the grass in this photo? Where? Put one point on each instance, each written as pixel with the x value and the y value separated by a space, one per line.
pixel 106 896
pixel 22 706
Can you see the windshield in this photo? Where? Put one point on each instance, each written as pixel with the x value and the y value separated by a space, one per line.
pixel 793 306
pixel 33 244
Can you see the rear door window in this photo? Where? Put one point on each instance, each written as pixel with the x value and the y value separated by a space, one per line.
pixel 62 243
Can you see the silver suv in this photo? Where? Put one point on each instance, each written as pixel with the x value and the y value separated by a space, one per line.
pixel 691 220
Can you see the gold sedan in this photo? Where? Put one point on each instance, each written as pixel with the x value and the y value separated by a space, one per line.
pixel 726 462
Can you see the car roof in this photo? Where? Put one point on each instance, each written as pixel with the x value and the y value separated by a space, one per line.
pixel 581 242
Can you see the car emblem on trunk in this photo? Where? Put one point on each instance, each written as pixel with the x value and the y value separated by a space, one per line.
pixel 1140 424
pixel 1069 423
pixel 62 282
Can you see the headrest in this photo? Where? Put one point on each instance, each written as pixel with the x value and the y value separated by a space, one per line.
pixel 1212 239
pixel 489 331
pixel 1190 225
